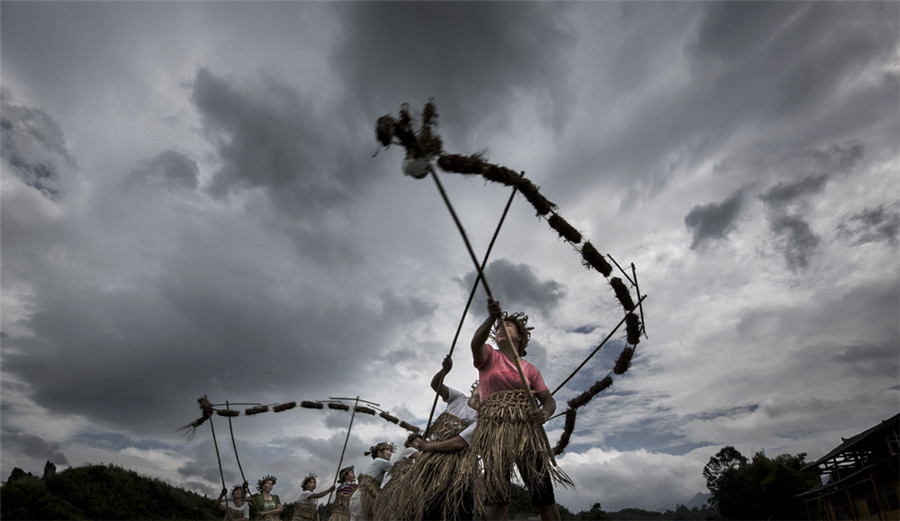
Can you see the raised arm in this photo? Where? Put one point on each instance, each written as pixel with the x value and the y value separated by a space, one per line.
pixel 484 331
pixel 444 391
pixel 317 495
pixel 454 444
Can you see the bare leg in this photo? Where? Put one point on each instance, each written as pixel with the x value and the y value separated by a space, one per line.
pixel 496 512
pixel 549 512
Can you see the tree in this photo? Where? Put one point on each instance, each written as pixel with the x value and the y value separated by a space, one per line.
pixel 760 488
pixel 725 461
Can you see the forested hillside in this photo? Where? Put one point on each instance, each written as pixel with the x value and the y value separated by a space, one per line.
pixel 99 492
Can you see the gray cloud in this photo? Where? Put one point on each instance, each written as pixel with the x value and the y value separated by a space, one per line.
pixel 783 195
pixel 34 146
pixel 713 221
pixel 796 240
pixel 270 139
pixel 517 287
pixel 474 58
pixel 34 446
pixel 881 223
pixel 171 169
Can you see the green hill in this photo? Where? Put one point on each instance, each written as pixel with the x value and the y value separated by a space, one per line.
pixel 99 492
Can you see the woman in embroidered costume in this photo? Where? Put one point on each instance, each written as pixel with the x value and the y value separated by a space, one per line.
pixel 363 502
pixel 307 508
pixel 509 428
pixel 265 505
pixel 442 483
pixel 345 489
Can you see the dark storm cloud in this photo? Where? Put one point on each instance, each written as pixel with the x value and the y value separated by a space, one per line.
pixel 871 225
pixel 517 287
pixel 170 169
pixel 785 194
pixel 810 171
pixel 33 446
pixel 474 58
pixel 270 138
pixel 870 360
pixel 771 68
pixel 34 146
pixel 713 221
pixel 795 238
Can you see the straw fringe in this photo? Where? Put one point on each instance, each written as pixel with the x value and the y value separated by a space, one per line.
pixel 445 427
pixel 341 505
pixel 369 489
pixel 503 434
pixel 391 495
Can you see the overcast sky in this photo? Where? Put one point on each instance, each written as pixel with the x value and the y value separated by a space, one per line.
pixel 191 206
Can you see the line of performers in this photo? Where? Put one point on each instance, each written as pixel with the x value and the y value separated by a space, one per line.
pixel 464 467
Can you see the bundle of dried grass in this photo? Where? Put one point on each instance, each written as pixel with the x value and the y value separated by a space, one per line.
pixel 460 164
pixel 409 427
pixel 339 406
pixel 500 174
pixel 622 293
pixel 593 258
pixel 624 361
pixel 364 410
pixel 388 417
pixel 633 327
pixel 540 203
pixel 256 410
pixel 504 436
pixel 585 397
pixel 284 406
pixel 567 433
pixel 384 130
pixel 564 229
pixel 311 405
pixel 228 413
pixel 190 429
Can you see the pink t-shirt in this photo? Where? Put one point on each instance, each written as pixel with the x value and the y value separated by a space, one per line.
pixel 498 373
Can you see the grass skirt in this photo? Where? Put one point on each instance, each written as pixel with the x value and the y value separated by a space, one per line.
pixel 392 492
pixel 305 511
pixel 341 507
pixel 440 480
pixel 367 493
pixel 504 436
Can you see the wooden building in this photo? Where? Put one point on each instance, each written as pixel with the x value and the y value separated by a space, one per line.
pixel 860 478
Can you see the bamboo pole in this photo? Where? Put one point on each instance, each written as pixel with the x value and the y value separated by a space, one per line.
pixel 620 269
pixel 234 444
pixel 216 445
pixel 640 305
pixel 346 439
pixel 468 304
pixel 487 289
